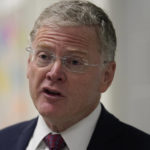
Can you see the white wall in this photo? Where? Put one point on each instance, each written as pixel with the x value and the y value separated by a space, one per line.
pixel 130 92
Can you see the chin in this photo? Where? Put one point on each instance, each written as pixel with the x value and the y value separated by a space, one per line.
pixel 49 111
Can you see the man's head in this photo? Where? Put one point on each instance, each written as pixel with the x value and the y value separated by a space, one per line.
pixel 73 45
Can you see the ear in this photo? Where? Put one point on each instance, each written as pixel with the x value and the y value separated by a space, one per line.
pixel 107 76
pixel 28 67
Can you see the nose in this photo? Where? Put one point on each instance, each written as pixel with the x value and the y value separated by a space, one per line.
pixel 56 73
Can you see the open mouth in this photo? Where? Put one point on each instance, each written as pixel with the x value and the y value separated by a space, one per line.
pixel 51 92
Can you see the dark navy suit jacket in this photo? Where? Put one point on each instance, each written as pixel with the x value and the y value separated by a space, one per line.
pixel 109 134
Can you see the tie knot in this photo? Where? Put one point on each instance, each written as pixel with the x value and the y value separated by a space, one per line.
pixel 54 141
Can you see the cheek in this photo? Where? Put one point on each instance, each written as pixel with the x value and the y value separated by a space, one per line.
pixel 35 77
pixel 83 97
pixel 85 88
pixel 35 74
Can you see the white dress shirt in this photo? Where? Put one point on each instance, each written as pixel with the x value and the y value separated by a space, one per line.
pixel 76 137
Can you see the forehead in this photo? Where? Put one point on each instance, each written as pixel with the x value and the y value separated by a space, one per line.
pixel 79 35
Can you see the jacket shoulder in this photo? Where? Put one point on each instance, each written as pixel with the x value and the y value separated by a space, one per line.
pixel 129 137
pixel 15 128
pixel 14 133
pixel 134 134
pixel 111 133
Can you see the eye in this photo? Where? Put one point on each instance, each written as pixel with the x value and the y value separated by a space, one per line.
pixel 75 61
pixel 43 56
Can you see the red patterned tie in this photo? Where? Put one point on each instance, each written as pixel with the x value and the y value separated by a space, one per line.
pixel 54 142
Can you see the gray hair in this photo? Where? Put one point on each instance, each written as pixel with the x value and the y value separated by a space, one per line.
pixel 80 12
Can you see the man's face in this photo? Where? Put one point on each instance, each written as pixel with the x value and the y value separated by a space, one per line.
pixel 59 95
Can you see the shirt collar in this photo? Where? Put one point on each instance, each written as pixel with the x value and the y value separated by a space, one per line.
pixel 76 137
pixel 40 132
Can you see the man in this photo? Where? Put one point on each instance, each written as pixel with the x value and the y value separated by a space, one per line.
pixel 71 63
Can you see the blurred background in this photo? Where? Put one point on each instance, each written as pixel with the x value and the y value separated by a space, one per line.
pixel 129 96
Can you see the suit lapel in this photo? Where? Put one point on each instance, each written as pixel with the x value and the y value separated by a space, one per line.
pixel 26 135
pixel 106 129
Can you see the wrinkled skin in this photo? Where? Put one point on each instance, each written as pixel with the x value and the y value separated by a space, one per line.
pixel 80 92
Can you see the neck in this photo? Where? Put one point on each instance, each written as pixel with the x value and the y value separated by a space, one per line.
pixel 60 125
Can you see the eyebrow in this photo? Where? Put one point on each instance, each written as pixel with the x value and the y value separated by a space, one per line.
pixel 45 46
pixel 76 53
pixel 76 50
